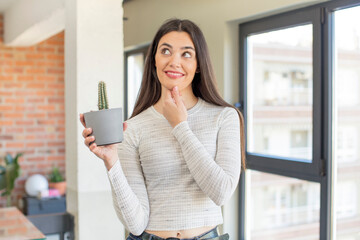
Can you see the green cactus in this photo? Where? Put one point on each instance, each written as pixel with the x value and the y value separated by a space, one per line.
pixel 102 102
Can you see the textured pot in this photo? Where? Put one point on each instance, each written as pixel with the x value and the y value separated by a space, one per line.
pixel 107 125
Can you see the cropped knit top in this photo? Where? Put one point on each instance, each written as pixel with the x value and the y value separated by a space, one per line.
pixel 176 178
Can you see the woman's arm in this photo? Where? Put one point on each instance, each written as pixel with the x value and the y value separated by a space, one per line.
pixel 217 177
pixel 128 187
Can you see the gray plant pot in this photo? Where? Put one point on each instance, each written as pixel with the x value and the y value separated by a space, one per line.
pixel 107 125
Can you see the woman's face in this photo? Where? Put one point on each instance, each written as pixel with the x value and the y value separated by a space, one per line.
pixel 175 61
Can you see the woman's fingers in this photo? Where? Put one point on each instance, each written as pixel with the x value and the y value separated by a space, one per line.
pixel 82 119
pixel 125 126
pixel 168 97
pixel 93 148
pixel 86 132
pixel 176 95
pixel 89 140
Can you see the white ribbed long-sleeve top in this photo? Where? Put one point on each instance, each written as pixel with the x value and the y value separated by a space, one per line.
pixel 176 178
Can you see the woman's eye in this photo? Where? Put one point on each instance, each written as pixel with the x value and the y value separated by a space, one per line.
pixel 187 54
pixel 165 51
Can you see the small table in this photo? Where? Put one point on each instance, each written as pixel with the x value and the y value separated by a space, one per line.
pixel 14 225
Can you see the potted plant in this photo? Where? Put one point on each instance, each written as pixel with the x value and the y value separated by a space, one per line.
pixel 56 181
pixel 106 124
pixel 8 175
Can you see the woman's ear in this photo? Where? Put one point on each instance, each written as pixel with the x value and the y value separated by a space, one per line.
pixel 197 70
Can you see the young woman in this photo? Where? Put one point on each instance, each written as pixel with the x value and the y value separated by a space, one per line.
pixel 181 156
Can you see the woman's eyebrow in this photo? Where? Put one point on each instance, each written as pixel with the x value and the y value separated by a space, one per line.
pixel 168 45
pixel 188 47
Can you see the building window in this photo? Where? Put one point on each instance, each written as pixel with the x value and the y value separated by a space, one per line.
pixel 299 139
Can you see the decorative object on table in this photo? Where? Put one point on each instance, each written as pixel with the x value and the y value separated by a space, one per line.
pixel 57 181
pixel 106 124
pixel 35 184
pixel 49 193
pixel 8 175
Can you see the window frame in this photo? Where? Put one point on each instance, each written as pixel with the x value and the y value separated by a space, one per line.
pixel 282 165
pixel 323 172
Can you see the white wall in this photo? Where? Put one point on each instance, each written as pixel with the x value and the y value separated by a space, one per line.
pixel 219 21
pixel 28 22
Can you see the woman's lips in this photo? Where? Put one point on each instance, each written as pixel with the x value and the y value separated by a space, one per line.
pixel 174 75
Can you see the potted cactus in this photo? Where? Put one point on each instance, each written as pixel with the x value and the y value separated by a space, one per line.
pixel 107 124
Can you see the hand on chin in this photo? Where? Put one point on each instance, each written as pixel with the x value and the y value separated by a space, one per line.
pixel 174 109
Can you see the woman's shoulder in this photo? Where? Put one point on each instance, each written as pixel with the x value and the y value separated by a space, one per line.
pixel 219 113
pixel 135 125
pixel 141 118
pixel 219 109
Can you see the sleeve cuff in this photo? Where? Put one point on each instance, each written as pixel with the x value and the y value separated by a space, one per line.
pixel 180 129
pixel 114 170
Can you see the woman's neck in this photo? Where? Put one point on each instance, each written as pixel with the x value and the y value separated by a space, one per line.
pixel 187 97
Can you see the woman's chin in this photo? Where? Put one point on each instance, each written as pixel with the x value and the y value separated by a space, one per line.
pixel 170 87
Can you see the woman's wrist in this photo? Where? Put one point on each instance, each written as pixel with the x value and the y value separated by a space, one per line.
pixel 110 161
pixel 174 124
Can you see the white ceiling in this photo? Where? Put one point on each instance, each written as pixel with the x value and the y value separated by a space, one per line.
pixel 4 4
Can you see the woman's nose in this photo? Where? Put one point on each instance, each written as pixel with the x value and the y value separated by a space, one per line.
pixel 175 60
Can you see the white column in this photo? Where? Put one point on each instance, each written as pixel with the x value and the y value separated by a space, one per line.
pixel 93 52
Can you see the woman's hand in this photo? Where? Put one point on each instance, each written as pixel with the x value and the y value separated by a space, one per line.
pixel 174 109
pixel 107 153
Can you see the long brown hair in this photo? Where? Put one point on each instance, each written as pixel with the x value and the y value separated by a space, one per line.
pixel 203 84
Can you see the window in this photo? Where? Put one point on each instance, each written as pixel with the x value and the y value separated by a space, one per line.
pixel 300 95
pixel 280 206
pixel 346 124
pixel 134 67
pixel 279 90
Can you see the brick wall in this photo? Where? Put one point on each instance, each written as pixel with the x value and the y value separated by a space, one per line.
pixel 32 107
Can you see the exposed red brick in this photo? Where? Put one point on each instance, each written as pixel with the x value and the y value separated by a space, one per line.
pixel 6 77
pixel 14 130
pixel 34 56
pixel 4 108
pixel 35 144
pixel 32 118
pixel 25 78
pixel 14 145
pixel 46 78
pixel 4 123
pixel 14 115
pixel 23 63
pixel 6 137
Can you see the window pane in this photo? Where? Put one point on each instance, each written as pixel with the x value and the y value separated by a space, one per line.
pixel 135 65
pixel 347 123
pixel 280 93
pixel 282 207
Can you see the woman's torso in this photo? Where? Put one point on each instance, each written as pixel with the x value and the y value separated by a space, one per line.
pixel 188 233
pixel 177 204
pixel 175 199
